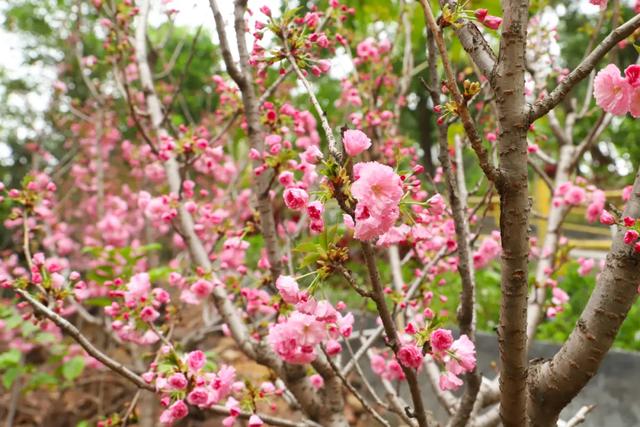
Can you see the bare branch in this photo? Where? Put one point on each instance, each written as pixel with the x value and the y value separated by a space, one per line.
pixel 232 68
pixel 355 392
pixel 580 416
pixel 74 333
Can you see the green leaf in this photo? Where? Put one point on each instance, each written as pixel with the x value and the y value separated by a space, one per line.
pixel 98 302
pixel 10 376
pixel 306 247
pixel 310 259
pixel 40 379
pixel 159 273
pixel 73 368
pixel 9 358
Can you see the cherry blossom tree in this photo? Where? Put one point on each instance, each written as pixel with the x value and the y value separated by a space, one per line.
pixel 319 249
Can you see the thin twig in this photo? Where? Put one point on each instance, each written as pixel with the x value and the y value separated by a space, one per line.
pixel 367 407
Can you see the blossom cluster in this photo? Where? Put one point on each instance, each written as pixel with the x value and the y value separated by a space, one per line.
pixel 296 336
pixel 136 300
pixel 579 193
pixel 187 380
pixel 456 357
pixel 618 94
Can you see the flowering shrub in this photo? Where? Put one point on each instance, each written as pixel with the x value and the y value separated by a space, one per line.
pixel 255 227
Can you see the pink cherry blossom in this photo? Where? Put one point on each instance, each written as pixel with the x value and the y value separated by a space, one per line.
pixel 288 288
pixel 255 421
pixel 441 339
pixel 449 381
pixel 178 381
pixel 410 356
pixel 463 356
pixel 630 236
pixel 315 209
pixel 611 91
pixel 148 314
pixel 492 22
pixel 559 296
pixel 606 218
pixel 196 360
pixel 316 381
pixel 355 142
pixel 295 198
pixel 378 190
pixel 199 396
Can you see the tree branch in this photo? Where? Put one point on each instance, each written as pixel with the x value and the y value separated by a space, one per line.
pixel 74 333
pixel 555 383
pixel 543 106
pixel 467 122
pixel 456 190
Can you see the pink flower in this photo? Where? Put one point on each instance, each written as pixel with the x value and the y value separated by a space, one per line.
pixel 559 296
pixel 355 142
pixel 202 288
pixel 265 10
pixel 286 179
pixel 316 381
pixel 410 356
pixel 606 218
pixel 179 410
pixel 333 347
pixel 601 3
pixel 345 324
pixel 198 396
pixel 196 360
pixel 295 198
pixel 441 339
pixel 575 196
pixel 394 235
pixel 255 421
pixel 348 222
pixel 148 314
pixel 436 204
pixel 481 14
pixel 138 287
pixel 449 381
pixel 315 209
pixel 295 339
pixel 634 103
pixel 288 288
pixel 463 357
pixel 611 91
pixel 178 381
pixel 378 364
pixel 586 265
pixel 632 72
pixel 378 190
pixel 492 22
pixel 175 412
pixel 630 236
pixel 312 155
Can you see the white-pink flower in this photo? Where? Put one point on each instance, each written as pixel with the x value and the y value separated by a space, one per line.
pixel 288 288
pixel 378 190
pixel 355 142
pixel 611 91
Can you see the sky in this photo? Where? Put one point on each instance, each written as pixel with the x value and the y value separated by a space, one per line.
pixel 191 13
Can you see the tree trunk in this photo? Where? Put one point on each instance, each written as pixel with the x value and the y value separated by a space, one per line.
pixel 555 383
pixel 513 187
